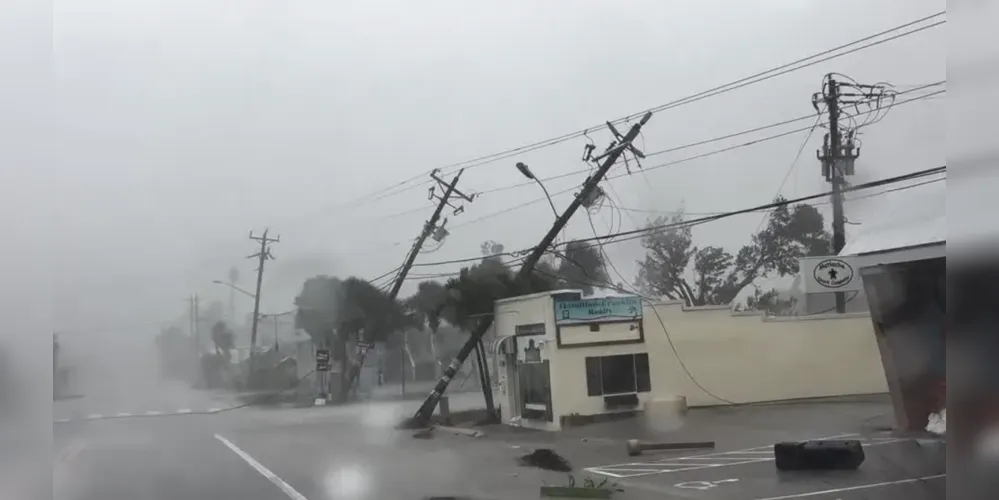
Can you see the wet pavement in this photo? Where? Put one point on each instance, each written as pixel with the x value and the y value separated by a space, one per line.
pixel 353 452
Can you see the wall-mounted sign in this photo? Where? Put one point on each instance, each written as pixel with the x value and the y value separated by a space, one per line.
pixel 829 274
pixel 603 309
pixel 532 329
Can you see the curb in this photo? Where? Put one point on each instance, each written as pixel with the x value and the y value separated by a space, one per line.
pixel 148 414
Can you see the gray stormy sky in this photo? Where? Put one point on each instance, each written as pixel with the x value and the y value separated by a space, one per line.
pixel 184 124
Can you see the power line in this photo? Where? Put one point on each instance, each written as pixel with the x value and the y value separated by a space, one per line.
pixel 617 237
pixel 640 232
pixel 683 147
pixel 818 202
pixel 782 69
pixel 681 160
pixel 793 166
pixel 742 82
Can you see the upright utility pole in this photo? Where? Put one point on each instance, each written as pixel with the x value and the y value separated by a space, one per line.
pixel 430 228
pixel 195 322
pixel 233 278
pixel 262 256
pixel 609 157
pixel 837 161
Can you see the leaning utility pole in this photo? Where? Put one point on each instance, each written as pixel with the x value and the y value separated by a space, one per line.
pixel 609 157
pixel 262 256
pixel 837 161
pixel 430 228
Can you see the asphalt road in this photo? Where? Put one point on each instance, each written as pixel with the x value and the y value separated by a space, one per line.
pixel 354 452
pixel 257 454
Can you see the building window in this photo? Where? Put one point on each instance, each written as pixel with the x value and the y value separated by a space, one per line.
pixel 621 374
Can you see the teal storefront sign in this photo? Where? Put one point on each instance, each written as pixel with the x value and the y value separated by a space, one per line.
pixel 604 309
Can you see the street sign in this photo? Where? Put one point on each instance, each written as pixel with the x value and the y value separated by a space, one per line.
pixel 603 309
pixel 363 346
pixel 322 360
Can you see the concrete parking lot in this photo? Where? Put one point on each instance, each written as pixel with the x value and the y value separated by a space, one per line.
pixel 894 468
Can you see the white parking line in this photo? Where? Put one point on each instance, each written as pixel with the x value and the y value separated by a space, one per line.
pixel 264 471
pixel 854 488
pixel 711 460
pixel 151 413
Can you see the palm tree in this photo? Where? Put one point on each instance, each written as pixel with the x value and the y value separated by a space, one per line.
pixel 338 312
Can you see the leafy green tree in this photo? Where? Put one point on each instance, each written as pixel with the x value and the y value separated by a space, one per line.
pixel 318 308
pixel 674 268
pixel 581 267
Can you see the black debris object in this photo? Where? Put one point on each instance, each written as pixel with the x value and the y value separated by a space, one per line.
pixel 547 459
pixel 847 454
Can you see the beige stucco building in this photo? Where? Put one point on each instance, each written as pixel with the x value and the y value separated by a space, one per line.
pixel 560 356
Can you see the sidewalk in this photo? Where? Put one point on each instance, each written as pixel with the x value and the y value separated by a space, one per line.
pixel 727 426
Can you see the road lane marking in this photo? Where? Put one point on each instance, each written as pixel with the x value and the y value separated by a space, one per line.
pixel 184 410
pixel 854 488
pixel 703 485
pixel 745 456
pixel 94 416
pixel 150 413
pixel 264 471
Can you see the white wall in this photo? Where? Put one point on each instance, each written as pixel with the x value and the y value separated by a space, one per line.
pixel 744 357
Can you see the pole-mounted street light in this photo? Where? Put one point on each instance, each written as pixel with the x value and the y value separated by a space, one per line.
pixel 530 175
pixel 234 287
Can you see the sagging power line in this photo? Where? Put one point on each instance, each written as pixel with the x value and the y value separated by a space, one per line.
pixel 875 39
pixel 621 236
pixel 680 161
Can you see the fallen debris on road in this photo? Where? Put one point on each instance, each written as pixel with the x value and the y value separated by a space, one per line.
pixel 636 447
pixel 547 459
